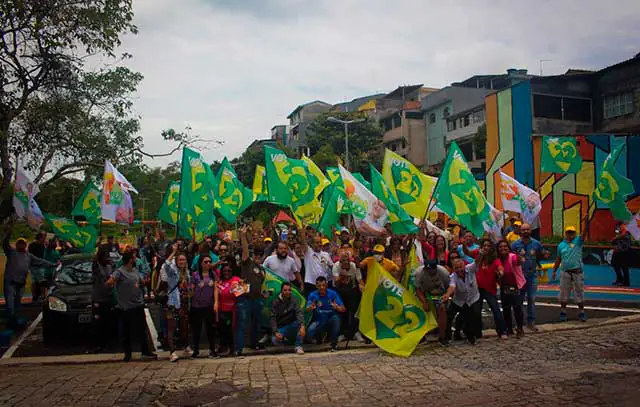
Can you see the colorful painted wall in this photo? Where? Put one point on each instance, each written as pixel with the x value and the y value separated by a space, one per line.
pixel 566 198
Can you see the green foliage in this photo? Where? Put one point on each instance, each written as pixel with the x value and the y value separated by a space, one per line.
pixel 365 140
pixel 325 157
pixel 480 140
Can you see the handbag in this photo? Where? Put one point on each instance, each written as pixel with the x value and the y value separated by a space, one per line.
pixel 162 296
pixel 509 289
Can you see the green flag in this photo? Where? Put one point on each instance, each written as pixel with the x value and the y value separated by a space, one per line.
pixel 289 181
pixel 560 154
pixel 196 203
pixel 169 209
pixel 401 222
pixel 83 239
pixel 89 204
pixel 260 184
pixel 333 173
pixel 336 183
pixel 232 197
pixel 363 181
pixel 459 195
pixel 613 188
pixel 333 208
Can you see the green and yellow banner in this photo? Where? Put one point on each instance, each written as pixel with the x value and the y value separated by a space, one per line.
pixel 232 197
pixel 613 188
pixel 271 287
pixel 196 201
pixel 560 154
pixel 260 184
pixel 83 239
pixel 391 315
pixel 401 222
pixel 89 205
pixel 169 209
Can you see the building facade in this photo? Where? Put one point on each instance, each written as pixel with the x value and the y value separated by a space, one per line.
pixel 299 121
pixel 463 129
pixel 600 109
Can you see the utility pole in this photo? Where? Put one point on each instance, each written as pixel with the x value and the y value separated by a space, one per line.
pixel 144 200
pixel 346 124
pixel 541 62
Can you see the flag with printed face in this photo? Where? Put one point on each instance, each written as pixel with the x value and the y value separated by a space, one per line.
pixel 232 197
pixel 412 188
pixel 196 203
pixel 260 184
pixel 494 224
pixel 560 154
pixel 401 222
pixel 613 188
pixel 83 239
pixel 459 195
pixel 24 190
pixel 391 315
pixel 363 181
pixel 519 198
pixel 370 215
pixel 633 226
pixel 116 204
pixel 289 181
pixel 88 205
pixel 169 210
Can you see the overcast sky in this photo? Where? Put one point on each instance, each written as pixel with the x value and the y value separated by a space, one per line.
pixel 232 69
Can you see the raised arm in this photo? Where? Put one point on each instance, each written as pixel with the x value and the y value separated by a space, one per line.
pixel 244 243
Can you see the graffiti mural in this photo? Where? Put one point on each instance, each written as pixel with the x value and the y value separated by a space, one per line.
pixel 514 149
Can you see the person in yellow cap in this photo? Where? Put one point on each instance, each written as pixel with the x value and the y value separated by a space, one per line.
pixel 387 264
pixel 515 233
pixel 569 261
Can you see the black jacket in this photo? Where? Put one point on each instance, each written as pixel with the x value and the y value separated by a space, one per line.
pixel 285 311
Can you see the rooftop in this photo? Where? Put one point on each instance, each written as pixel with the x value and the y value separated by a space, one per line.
pixel 302 106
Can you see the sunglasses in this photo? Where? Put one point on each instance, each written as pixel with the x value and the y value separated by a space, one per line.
pixel 207 262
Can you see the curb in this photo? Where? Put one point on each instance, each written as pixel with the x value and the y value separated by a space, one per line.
pixel 321 351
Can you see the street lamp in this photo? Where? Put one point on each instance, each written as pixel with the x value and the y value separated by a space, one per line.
pixel 346 124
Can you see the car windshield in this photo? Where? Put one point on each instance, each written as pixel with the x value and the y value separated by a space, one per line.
pixel 75 273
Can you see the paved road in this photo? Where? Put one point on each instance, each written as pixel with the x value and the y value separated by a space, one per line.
pixel 596 366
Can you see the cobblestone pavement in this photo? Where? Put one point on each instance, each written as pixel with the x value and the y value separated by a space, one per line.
pixel 588 367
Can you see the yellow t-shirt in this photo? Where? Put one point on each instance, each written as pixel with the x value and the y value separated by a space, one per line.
pixel 386 264
pixel 512 237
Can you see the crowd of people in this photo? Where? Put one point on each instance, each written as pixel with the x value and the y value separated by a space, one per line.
pixel 217 284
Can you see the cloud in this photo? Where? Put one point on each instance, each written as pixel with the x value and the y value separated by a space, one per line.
pixel 233 69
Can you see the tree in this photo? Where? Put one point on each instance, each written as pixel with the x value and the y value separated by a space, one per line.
pixel 325 157
pixel 480 140
pixel 55 116
pixel 365 139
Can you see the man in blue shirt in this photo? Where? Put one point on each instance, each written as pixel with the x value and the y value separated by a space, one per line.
pixel 530 252
pixel 469 242
pixel 571 278
pixel 325 304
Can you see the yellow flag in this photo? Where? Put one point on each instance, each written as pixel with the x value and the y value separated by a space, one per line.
pixel 260 184
pixel 412 188
pixel 308 214
pixel 390 315
pixel 323 182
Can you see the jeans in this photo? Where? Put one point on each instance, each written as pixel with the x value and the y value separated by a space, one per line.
pixel 225 326
pixel 351 299
pixel 102 324
pixel 13 296
pixel 620 264
pixel 248 313
pixel 134 326
pixel 530 290
pixel 197 317
pixel 289 332
pixel 321 326
pixel 492 300
pixel 472 317
pixel 512 303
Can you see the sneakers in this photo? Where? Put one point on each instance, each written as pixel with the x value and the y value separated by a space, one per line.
pixel 563 316
pixel 187 352
pixel 532 327
pixel 457 336
pixel 149 356
pixel 358 337
pixel 173 357
pixel 342 338
pixel 238 355
pixel 504 337
pixel 443 342
pixel 583 317
pixel 127 358
pixel 299 350
pixel 519 333
pixel 213 355
pixel 472 340
pixel 334 348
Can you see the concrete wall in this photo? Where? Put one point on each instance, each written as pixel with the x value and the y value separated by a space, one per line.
pixel 436 133
pixel 566 198
pixel 616 80
pixel 413 131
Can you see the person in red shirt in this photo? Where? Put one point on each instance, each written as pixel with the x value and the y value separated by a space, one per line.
pixel 511 285
pixel 441 254
pixel 490 270
pixel 225 307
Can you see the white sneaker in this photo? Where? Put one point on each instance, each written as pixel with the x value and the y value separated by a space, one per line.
pixel 342 338
pixel 299 350
pixel 188 352
pixel 174 357
pixel 358 337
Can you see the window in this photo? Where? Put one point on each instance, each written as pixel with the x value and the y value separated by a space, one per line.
pixel 393 146
pixel 397 121
pixel 562 108
pixel 478 117
pixel 467 150
pixel 446 113
pixel 546 106
pixel 432 118
pixel 576 109
pixel 414 115
pixel 618 105
pixel 467 119
pixel 404 144
pixel 451 125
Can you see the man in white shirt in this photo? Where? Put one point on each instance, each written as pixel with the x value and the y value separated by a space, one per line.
pixel 283 265
pixel 316 263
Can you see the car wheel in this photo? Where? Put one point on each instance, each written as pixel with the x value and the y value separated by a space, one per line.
pixel 48 329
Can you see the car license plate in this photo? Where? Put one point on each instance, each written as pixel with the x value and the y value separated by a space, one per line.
pixel 85 318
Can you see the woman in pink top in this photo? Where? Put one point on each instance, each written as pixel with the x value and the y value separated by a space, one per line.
pixel 511 285
pixel 226 305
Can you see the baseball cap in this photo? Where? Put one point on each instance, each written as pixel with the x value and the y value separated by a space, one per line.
pixel 517 223
pixel 570 229
pixel 378 248
pixel 344 229
pixel 21 239
pixel 268 239
pixel 325 241
pixel 431 265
